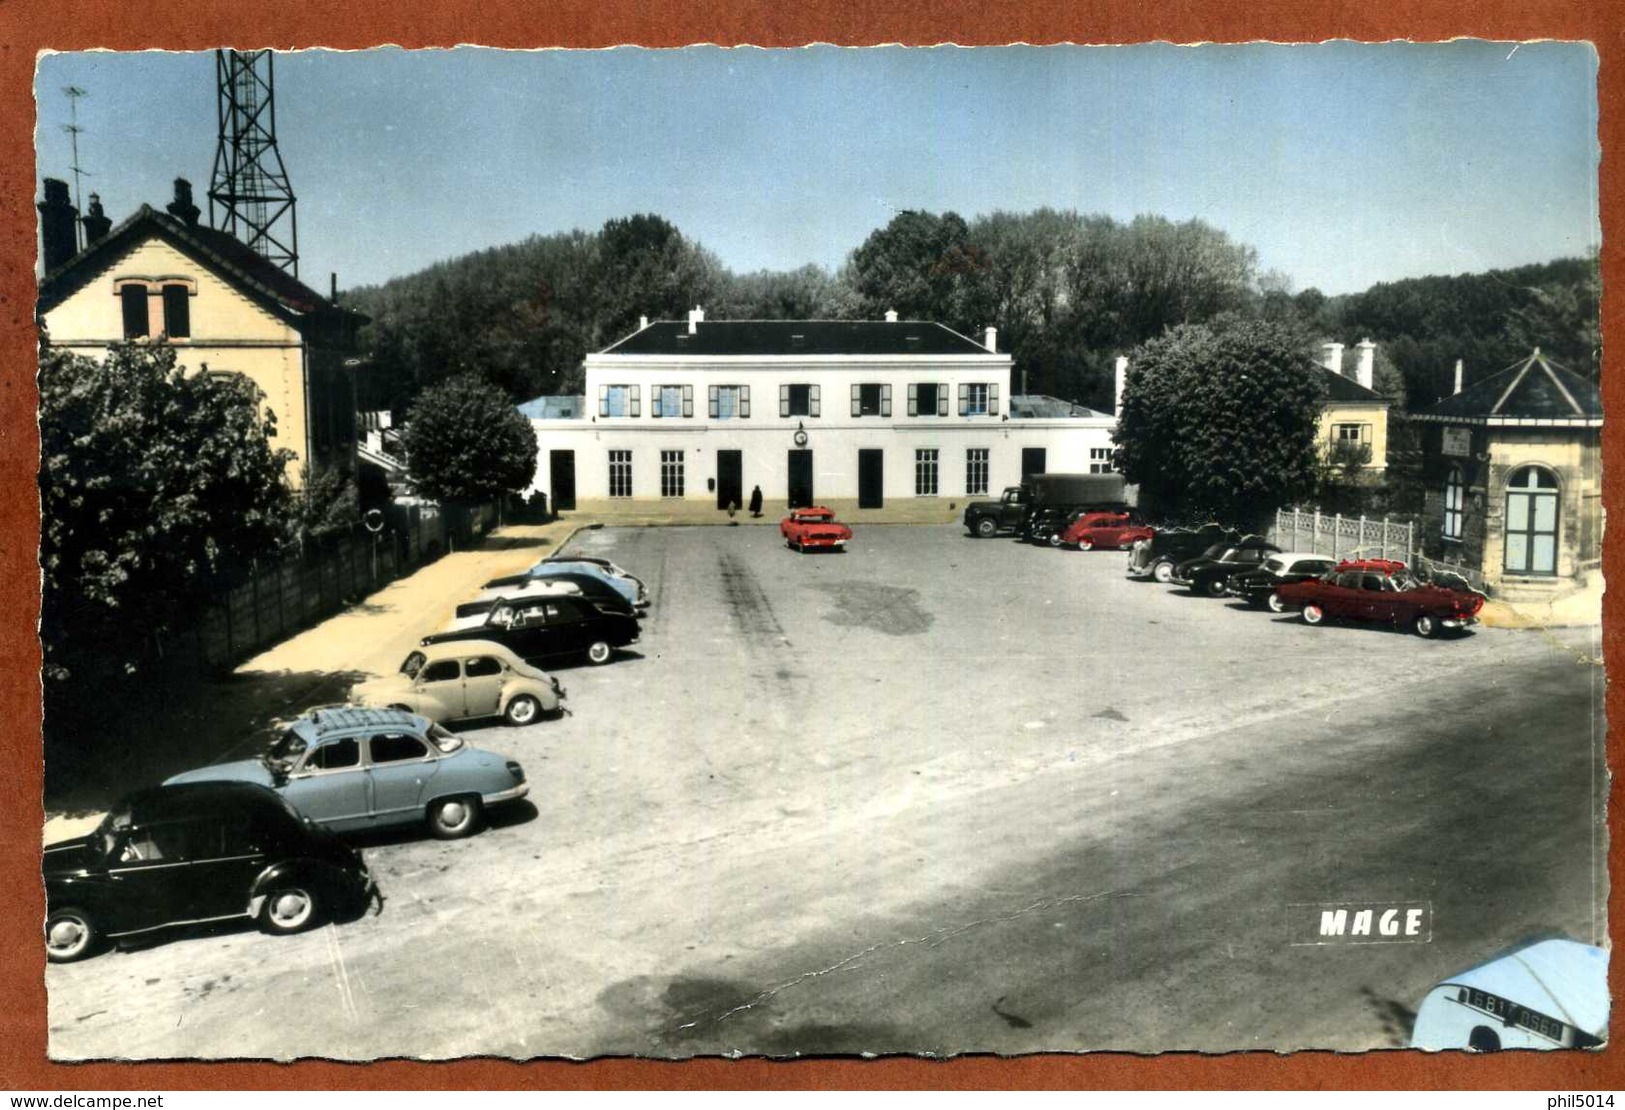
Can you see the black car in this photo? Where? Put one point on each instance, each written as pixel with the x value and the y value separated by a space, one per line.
pixel 540 628
pixel 1209 573
pixel 1257 587
pixel 606 597
pixel 1047 525
pixel 196 853
pixel 1157 557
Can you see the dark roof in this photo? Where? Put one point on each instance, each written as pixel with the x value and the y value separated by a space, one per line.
pixel 796 337
pixel 1034 406
pixel 562 407
pixel 1339 388
pixel 1534 389
pixel 233 259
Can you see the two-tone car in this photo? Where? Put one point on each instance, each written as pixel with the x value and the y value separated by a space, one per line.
pixel 542 628
pixel 354 769
pixel 1382 591
pixel 599 592
pixel 814 528
pixel 1259 588
pixel 465 680
pixel 196 854
pixel 1209 573
pixel 628 587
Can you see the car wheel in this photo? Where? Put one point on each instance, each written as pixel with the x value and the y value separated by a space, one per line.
pixel 1163 572
pixel 1055 539
pixel 1214 587
pixel 1312 614
pixel 1086 545
pixel 1425 626
pixel 598 653
pixel 522 710
pixel 1274 603
pixel 70 934
pixel 987 528
pixel 451 818
pixel 289 909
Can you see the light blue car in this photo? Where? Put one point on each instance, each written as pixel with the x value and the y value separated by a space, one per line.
pixel 623 584
pixel 350 769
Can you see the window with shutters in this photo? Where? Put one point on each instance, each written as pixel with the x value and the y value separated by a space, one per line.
pixel 976 470
pixel 620 474
pixel 798 400
pixel 925 472
pixel 871 399
pixel 978 399
pixel 927 399
pixel 671 474
pixel 730 402
pixel 618 400
pixel 672 401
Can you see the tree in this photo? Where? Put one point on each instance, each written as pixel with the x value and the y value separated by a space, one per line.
pixel 1220 421
pixel 466 443
pixel 153 486
pixel 326 505
pixel 919 264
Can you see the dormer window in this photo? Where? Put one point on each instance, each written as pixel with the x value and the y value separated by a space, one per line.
pixel 798 342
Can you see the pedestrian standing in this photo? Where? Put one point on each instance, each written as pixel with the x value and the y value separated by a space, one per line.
pixel 756 501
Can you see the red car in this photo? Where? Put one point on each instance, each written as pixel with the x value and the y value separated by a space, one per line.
pixel 814 527
pixel 1092 530
pixel 1381 590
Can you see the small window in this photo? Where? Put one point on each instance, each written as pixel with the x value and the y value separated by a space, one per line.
pixel 729 402
pixel 483 667
pixel 447 670
pixel 673 401
pixel 134 300
pixel 927 399
pixel 177 311
pixel 335 755
pixel 618 400
pixel 797 400
pixel 1454 491
pixel 395 747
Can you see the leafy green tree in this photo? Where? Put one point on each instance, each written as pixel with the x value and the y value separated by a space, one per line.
pixel 466 443
pixel 326 505
pixel 1221 421
pixel 919 264
pixel 154 485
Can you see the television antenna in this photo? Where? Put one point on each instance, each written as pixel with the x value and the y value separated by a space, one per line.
pixel 73 93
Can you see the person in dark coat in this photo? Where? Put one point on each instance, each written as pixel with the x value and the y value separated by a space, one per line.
pixel 756 501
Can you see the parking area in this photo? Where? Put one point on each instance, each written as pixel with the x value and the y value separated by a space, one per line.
pixel 933 794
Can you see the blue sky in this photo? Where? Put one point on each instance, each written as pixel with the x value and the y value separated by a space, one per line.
pixel 1343 164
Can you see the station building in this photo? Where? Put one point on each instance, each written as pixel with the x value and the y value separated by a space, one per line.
pixel 853 414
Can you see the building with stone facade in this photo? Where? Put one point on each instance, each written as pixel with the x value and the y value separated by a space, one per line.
pixel 1513 466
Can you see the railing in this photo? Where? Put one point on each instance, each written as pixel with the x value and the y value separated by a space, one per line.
pixel 1344 537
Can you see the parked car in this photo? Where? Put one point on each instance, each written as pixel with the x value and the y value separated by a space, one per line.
pixel 529 587
pixel 1088 531
pixel 1382 590
pixel 1550 994
pixel 1059 493
pixel 618 571
pixel 550 628
pixel 1210 574
pixel 1157 557
pixel 202 852
pixel 353 769
pixel 463 680
pixel 629 588
pixel 1258 587
pixel 814 527
pixel 600 593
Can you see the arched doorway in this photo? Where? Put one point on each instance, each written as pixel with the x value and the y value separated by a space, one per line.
pixel 1531 522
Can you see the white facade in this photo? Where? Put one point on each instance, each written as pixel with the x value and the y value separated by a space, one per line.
pixel 709 427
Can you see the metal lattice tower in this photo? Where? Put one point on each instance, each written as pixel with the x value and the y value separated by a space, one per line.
pixel 249 195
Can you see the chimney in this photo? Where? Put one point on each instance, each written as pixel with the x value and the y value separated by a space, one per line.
pixel 1457 390
pixel 891 316
pixel 1122 377
pixel 1332 357
pixel 643 322
pixel 182 207
pixel 1363 370
pixel 58 240
pixel 95 221
pixel 992 343
pixel 696 317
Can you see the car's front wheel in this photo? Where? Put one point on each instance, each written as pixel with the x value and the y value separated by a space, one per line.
pixel 1274 603
pixel 1425 626
pixel 1086 545
pixel 987 528
pixel 1313 614
pixel 598 653
pixel 452 818
pixel 70 934
pixel 1055 539
pixel 290 909
pixel 1163 572
pixel 522 710
pixel 1214 587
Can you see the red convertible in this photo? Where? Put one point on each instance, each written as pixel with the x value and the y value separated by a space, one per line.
pixel 814 526
pixel 1381 590
pixel 1092 530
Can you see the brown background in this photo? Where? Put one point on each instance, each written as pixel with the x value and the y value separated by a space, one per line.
pixel 29 26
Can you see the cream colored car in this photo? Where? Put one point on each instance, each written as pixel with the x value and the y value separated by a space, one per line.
pixel 462 680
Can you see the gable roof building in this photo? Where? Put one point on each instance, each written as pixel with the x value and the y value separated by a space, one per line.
pixel 220 304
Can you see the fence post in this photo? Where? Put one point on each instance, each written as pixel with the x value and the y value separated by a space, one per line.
pixel 1359 552
pixel 254 592
pixel 1314 535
